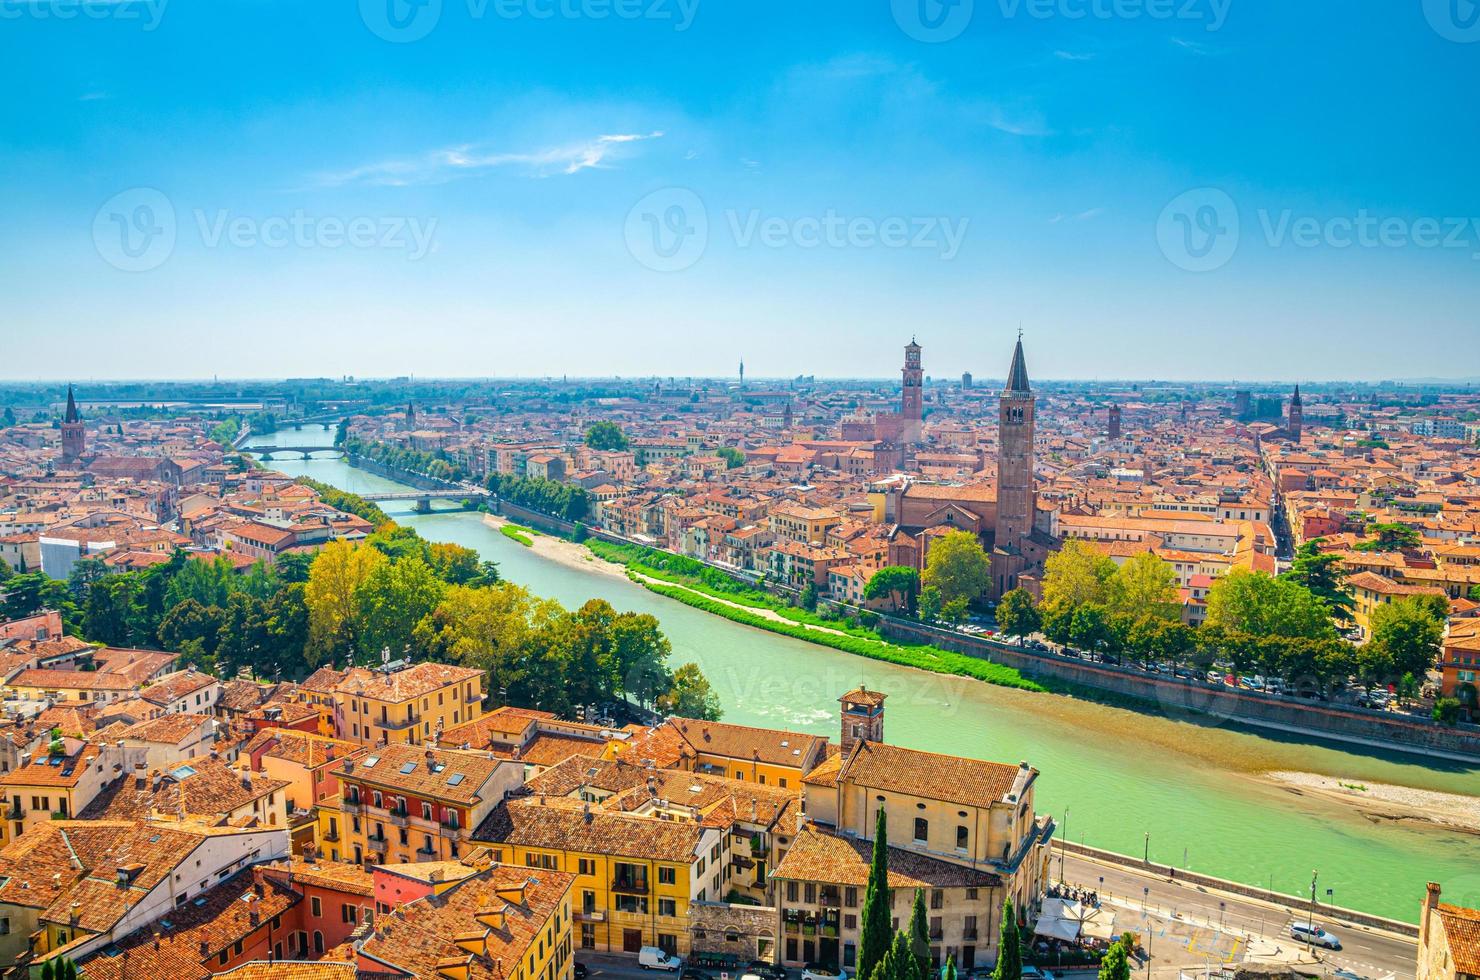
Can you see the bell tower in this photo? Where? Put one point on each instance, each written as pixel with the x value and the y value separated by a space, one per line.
pixel 1016 497
pixel 863 717
pixel 74 433
pixel 911 403
pixel 1297 413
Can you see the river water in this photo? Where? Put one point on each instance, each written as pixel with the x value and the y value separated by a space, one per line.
pixel 1111 776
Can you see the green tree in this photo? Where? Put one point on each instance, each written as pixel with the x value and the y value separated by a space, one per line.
pixel 1076 574
pixel 929 604
pixel 1010 946
pixel 1409 633
pixel 1322 573
pixel 1017 615
pixel 807 598
pixel 877 923
pixel 606 436
pixel 332 598
pixel 1253 602
pixel 1144 586
pixel 31 592
pixel 734 458
pixel 392 600
pixel 1446 711
pixel 1390 537
pixel 690 695
pixel 9 417
pixel 1089 627
pixel 919 934
pixel 1117 964
pixel 956 611
pixel 896 583
pixel 959 567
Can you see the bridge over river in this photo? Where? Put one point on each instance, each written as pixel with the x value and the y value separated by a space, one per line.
pixel 424 498
pixel 306 452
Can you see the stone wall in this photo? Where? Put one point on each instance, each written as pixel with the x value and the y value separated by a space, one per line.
pixel 1197 700
pixel 746 931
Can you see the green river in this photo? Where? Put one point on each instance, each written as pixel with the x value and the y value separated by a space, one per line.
pixel 1111 776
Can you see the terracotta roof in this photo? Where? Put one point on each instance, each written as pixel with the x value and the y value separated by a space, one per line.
pixel 819 856
pixel 768 745
pixel 426 773
pixel 206 788
pixel 528 823
pixel 403 685
pixel 1462 931
pixel 291 970
pixel 929 775
pixel 506 907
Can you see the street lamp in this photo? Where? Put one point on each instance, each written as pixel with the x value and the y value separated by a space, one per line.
pixel 1310 918
pixel 1063 844
pixel 1146 856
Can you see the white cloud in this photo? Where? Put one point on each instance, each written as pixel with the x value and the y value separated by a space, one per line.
pixel 469 160
pixel 1073 56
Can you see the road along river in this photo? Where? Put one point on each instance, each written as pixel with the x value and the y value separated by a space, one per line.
pixel 1194 795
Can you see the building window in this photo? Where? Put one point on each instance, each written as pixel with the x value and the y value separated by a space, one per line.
pixel 922 830
pixel 962 836
pixel 937 899
pixel 667 906
pixel 316 906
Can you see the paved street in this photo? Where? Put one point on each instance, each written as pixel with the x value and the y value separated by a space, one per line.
pixel 1194 928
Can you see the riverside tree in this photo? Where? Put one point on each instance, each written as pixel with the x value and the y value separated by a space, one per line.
pixel 1017 616
pixel 896 583
pixel 959 567
pixel 1322 573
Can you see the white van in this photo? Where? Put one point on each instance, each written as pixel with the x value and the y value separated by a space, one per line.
pixel 653 958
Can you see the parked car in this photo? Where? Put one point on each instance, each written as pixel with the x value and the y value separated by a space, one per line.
pixel 1315 935
pixel 1036 973
pixel 821 971
pixel 766 971
pixel 653 958
pixel 580 972
pixel 694 973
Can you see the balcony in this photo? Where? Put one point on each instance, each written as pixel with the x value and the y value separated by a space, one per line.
pixel 426 852
pixel 352 806
pixel 593 915
pixel 630 885
pixel 400 818
pixel 378 843
pixel 14 812
pixel 451 831
pixel 332 837
pixel 397 724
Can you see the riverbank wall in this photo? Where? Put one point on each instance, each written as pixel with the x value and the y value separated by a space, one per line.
pixel 1197 700
pixel 412 479
pixel 1202 881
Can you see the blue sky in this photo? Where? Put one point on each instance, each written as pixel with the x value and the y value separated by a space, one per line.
pixel 1152 188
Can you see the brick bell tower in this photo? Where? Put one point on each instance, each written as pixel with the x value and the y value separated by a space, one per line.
pixel 1297 413
pixel 862 716
pixel 1016 497
pixel 911 402
pixel 74 433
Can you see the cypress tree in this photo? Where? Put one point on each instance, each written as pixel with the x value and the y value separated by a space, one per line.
pixel 47 971
pixel 1009 947
pixel 919 936
pixel 877 924
pixel 69 969
pixel 950 973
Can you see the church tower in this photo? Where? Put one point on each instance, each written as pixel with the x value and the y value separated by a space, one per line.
pixel 1016 497
pixel 1296 416
pixel 863 717
pixel 911 404
pixel 1114 422
pixel 74 434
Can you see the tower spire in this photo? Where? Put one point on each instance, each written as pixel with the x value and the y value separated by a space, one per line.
pixel 72 415
pixel 1017 375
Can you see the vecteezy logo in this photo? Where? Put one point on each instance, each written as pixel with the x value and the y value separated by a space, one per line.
pixel 932 21
pixel 668 230
pixel 135 231
pixel 401 21
pixel 1454 20
pixel 1198 229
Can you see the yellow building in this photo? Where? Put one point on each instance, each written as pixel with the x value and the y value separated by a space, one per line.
pixel 1370 591
pixel 635 873
pixel 760 755
pixel 54 785
pixel 402 805
pixel 409 705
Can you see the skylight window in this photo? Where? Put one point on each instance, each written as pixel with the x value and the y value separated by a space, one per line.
pixel 407 768
pixel 454 779
pixel 184 772
pixel 370 762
